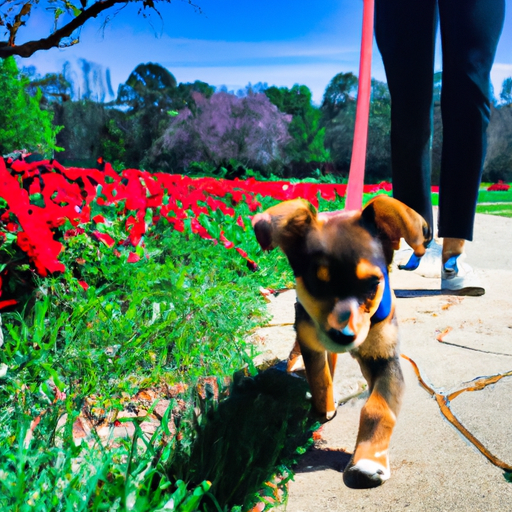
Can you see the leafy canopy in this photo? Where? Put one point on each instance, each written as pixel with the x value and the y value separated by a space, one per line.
pixel 23 124
pixel 307 144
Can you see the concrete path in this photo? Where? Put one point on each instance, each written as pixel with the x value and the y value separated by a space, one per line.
pixel 434 468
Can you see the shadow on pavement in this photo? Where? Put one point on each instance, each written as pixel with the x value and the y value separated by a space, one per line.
pixel 408 294
pixel 318 459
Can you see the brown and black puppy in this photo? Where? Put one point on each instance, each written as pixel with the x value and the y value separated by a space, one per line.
pixel 345 304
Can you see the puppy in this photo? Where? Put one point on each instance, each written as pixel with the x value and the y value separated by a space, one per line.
pixel 345 304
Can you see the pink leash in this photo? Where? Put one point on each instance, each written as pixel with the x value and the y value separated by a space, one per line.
pixel 354 199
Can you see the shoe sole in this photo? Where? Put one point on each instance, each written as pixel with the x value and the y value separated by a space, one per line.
pixel 469 291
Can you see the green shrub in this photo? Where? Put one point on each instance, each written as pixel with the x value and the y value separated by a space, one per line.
pixel 23 124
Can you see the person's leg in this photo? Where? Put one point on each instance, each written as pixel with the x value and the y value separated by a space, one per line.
pixel 405 33
pixel 470 30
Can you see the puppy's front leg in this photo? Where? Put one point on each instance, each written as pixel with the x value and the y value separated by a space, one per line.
pixel 319 365
pixel 369 466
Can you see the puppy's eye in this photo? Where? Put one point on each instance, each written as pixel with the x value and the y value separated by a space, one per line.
pixel 371 285
pixel 323 273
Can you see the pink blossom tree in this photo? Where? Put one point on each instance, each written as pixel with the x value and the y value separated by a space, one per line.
pixel 250 131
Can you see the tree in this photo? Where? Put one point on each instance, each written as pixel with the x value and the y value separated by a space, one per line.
pixel 249 131
pixel 307 144
pixel 69 16
pixel 23 124
pixel 339 133
pixel 506 91
pixel 378 153
pixel 149 85
pixel 152 97
pixel 183 95
pixel 438 84
pixel 498 160
pixel 339 95
pixel 84 131
pixel 53 86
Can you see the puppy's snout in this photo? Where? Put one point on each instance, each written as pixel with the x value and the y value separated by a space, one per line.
pixel 343 315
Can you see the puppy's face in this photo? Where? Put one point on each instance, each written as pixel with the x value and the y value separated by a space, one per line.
pixel 340 262
pixel 340 281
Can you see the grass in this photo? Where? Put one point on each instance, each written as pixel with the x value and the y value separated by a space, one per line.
pixel 501 209
pixel 177 316
pixel 486 196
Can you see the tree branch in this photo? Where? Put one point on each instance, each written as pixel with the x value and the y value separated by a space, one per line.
pixel 18 21
pixel 30 47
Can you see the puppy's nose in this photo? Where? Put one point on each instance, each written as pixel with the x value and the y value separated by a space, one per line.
pixel 343 315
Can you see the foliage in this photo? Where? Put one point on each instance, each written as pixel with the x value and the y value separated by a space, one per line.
pixel 54 87
pixel 340 128
pixel 438 84
pixel 23 124
pixel 307 144
pixel 153 97
pixel 133 131
pixel 88 132
pixel 506 91
pixel 183 95
pixel 248 130
pixel 378 153
pixel 498 161
pixel 339 95
pixel 149 85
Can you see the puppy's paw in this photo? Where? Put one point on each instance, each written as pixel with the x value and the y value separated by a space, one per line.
pixel 365 474
pixel 324 417
pixel 295 363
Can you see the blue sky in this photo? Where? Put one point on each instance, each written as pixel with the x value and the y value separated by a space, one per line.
pixel 232 43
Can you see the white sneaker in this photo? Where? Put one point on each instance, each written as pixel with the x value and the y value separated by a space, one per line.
pixel 458 277
pixel 428 265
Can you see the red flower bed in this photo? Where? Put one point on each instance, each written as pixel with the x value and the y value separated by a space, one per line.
pixel 68 193
pixel 499 187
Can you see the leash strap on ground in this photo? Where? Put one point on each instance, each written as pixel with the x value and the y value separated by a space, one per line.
pixel 444 404
pixel 354 198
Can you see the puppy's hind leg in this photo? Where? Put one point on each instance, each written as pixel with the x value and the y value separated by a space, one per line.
pixel 369 466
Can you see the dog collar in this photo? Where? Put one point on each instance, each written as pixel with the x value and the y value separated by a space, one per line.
pixel 384 308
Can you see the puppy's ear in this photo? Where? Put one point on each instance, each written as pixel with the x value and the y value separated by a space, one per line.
pixel 393 220
pixel 284 225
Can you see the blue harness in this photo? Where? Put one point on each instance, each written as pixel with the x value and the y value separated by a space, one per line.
pixel 384 308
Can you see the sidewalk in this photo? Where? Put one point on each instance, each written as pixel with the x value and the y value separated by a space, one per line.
pixel 434 468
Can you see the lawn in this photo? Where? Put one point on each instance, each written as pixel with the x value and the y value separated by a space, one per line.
pixel 501 209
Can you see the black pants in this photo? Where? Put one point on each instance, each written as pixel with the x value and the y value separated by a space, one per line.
pixel 405 32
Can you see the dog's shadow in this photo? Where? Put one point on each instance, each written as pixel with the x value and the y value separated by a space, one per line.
pixel 265 422
pixel 319 459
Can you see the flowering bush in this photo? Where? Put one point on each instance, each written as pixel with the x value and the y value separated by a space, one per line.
pixel 46 205
pixel 500 186
pixel 250 130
